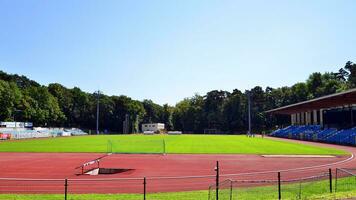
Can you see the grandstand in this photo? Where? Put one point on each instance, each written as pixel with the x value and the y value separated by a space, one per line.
pixel 38 132
pixel 316 133
pixel 327 119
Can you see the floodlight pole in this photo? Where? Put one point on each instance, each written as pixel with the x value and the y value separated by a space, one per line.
pixel 249 112
pixel 97 111
pixel 14 117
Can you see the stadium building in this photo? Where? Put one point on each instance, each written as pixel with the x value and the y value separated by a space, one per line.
pixel 154 127
pixel 25 130
pixel 329 119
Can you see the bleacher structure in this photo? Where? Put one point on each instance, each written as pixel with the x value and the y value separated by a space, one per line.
pixel 23 133
pixel 317 133
pixel 330 119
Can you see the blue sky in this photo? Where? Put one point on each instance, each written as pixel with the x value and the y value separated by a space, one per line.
pixel 168 50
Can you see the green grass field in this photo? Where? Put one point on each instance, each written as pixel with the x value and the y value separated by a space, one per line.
pixel 194 144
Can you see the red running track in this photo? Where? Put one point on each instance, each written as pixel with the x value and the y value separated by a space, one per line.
pixel 44 172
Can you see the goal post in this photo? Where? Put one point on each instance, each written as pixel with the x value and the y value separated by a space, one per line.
pixel 109 146
pixel 212 131
pixel 152 146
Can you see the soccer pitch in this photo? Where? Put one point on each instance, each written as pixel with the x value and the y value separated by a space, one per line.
pixel 174 144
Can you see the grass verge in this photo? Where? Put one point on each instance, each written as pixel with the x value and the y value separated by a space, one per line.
pixel 304 190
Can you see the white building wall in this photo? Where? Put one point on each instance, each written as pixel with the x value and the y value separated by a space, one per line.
pixel 152 127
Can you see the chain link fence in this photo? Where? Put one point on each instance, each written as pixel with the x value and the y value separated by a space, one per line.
pixel 345 179
pixel 278 185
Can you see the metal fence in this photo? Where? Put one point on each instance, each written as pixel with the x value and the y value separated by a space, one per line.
pixel 262 185
pixel 273 188
pixel 345 179
pixel 115 188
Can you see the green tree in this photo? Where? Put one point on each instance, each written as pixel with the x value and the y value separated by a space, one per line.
pixel 83 110
pixel 46 108
pixel 10 98
pixel 233 112
pixel 153 112
pixel 65 101
pixel 314 82
pixel 299 92
pixel 351 69
pixel 167 116
pixel 213 101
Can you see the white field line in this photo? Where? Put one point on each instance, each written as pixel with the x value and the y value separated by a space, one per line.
pixel 296 169
pixel 298 156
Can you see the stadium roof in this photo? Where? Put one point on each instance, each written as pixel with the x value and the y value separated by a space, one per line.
pixel 329 101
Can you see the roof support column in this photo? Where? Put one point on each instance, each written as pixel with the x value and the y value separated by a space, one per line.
pixel 293 119
pixel 321 118
pixel 310 113
pixel 306 118
pixel 351 116
pixel 315 117
pixel 302 118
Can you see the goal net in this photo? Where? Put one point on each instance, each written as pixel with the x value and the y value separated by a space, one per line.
pixel 156 146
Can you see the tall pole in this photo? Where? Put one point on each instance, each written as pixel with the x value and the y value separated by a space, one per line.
pixel 65 189
pixel 144 188
pixel 14 117
pixel 249 112
pixel 97 111
pixel 279 186
pixel 217 180
pixel 330 180
pixel 15 121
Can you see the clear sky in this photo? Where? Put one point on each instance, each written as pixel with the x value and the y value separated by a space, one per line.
pixel 166 50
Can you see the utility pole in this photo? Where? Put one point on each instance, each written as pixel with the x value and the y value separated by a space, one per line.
pixel 97 110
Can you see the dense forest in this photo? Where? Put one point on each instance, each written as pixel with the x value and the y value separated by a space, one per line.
pixel 23 99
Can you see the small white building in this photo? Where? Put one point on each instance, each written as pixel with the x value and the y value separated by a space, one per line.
pixel 155 127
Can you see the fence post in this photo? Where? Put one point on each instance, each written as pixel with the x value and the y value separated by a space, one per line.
pixel 65 188
pixel 331 180
pixel 230 190
pixel 164 147
pixel 279 186
pixel 144 188
pixel 217 180
pixel 336 179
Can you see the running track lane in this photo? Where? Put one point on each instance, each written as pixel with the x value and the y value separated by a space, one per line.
pixel 44 172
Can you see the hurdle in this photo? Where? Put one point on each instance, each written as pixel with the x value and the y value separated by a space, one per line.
pixel 89 163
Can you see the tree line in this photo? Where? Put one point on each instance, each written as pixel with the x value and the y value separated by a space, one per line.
pixel 22 99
